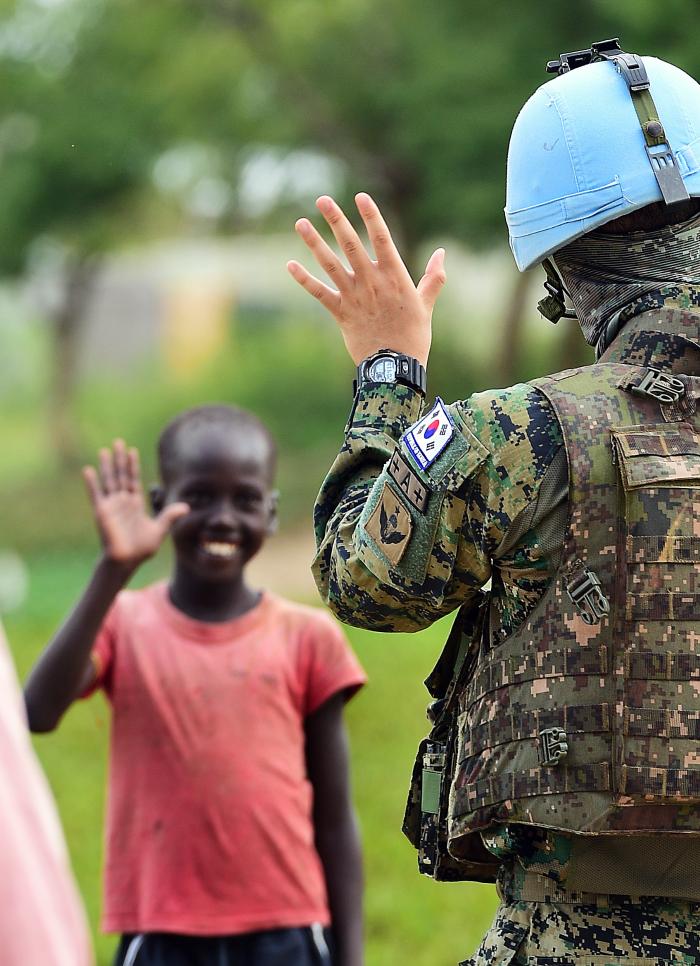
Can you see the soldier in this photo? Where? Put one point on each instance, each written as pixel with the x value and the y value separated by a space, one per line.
pixel 564 759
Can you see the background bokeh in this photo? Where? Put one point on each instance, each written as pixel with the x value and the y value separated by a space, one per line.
pixel 153 158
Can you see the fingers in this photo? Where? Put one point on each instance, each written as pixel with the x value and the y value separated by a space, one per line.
pixel 107 474
pixel 323 253
pixel 119 469
pixel 377 230
pixel 92 484
pixel 345 234
pixel 328 297
pixel 133 470
pixel 434 278
pixel 171 513
pixel 119 462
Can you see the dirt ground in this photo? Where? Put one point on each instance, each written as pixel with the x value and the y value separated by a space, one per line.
pixel 283 566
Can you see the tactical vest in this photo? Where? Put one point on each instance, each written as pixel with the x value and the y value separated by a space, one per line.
pixel 586 719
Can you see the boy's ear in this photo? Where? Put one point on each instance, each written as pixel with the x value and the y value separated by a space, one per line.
pixel 156 496
pixel 273 519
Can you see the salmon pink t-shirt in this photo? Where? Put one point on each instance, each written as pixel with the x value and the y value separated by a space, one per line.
pixel 209 816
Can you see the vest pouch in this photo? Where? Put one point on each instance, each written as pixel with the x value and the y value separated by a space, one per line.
pixel 426 817
pixel 659 692
pixel 424 821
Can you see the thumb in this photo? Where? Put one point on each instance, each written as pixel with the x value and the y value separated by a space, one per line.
pixel 171 513
pixel 434 278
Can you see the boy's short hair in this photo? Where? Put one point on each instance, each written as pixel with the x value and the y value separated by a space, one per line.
pixel 215 414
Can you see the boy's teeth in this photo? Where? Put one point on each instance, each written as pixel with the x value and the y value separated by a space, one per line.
pixel 218 549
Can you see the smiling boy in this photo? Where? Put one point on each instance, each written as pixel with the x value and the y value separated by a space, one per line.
pixel 231 838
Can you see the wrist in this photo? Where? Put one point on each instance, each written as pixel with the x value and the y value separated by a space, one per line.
pixel 388 367
pixel 117 570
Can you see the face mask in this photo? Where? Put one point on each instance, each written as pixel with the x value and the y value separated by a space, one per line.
pixel 602 272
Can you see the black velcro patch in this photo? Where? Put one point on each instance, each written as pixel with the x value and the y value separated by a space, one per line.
pixel 414 489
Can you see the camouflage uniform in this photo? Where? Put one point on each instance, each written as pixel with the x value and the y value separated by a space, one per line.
pixel 491 506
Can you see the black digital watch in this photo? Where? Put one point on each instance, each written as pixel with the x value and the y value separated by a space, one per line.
pixel 391 367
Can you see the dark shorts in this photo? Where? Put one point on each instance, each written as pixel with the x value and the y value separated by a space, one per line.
pixel 307 946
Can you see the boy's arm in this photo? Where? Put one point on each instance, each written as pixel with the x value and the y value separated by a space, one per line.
pixel 129 536
pixel 335 824
pixel 64 670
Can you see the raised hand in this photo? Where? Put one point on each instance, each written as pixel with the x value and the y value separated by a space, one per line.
pixel 128 534
pixel 375 302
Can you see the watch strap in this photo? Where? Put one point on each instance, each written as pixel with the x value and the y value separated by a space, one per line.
pixel 409 371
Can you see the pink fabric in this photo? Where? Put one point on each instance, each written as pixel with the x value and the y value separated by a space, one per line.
pixel 209 827
pixel 41 918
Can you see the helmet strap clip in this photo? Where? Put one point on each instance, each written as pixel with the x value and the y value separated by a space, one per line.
pixel 631 67
pixel 552 306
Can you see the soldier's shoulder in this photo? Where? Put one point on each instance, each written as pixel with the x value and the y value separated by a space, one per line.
pixel 516 418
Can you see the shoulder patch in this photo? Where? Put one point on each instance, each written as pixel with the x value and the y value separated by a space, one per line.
pixel 427 438
pixel 415 491
pixel 390 525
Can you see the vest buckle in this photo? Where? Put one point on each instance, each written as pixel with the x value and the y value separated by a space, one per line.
pixel 660 386
pixel 553 746
pixel 585 591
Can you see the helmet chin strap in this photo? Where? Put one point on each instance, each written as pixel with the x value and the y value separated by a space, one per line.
pixel 553 306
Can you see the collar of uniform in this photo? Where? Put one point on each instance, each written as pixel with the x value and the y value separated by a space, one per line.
pixel 660 329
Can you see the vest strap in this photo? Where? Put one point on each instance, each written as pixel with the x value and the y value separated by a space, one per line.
pixel 663 607
pixel 680 783
pixel 516 885
pixel 665 549
pixel 662 666
pixel 563 662
pixel 526 725
pixel 662 723
pixel 539 781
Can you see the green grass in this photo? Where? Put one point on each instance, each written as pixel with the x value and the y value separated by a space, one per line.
pixel 409 918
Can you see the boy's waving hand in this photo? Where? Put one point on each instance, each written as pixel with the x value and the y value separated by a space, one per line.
pixel 128 534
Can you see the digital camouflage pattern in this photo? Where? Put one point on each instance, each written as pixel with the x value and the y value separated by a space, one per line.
pixel 602 931
pixel 604 273
pixel 486 479
pixel 494 510
pixel 620 689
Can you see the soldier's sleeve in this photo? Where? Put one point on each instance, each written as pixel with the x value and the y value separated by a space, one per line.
pixel 414 508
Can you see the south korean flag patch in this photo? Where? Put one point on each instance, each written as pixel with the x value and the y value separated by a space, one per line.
pixel 427 438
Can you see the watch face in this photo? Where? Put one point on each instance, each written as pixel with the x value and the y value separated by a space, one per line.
pixel 382 369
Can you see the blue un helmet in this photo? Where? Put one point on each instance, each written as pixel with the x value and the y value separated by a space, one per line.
pixel 612 133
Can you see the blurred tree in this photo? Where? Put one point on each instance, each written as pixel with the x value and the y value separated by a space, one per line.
pixel 418 99
pixel 83 114
pixel 413 101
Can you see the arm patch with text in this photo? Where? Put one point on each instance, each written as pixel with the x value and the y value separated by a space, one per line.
pixel 409 529
pixel 413 488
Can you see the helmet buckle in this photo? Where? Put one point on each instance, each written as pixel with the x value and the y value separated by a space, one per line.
pixel 660 386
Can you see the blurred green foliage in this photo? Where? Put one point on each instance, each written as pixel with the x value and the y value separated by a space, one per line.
pixel 295 375
pixel 415 100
